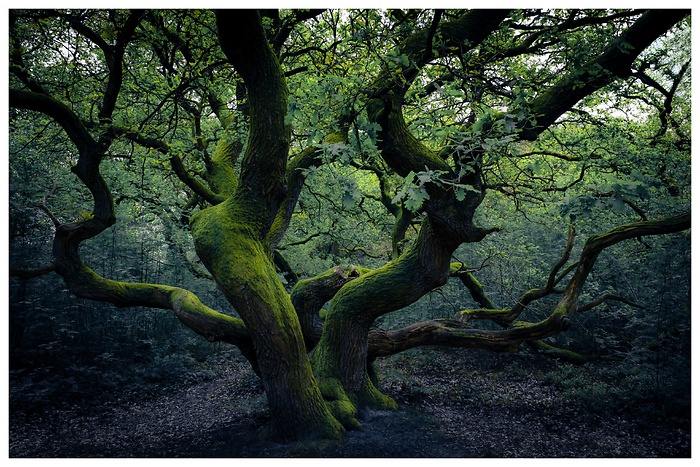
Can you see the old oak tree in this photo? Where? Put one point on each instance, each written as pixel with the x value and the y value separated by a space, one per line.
pixel 418 116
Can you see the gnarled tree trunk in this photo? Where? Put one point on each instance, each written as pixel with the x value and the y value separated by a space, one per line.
pixel 231 239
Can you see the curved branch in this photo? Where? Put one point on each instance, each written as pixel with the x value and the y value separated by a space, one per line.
pixel 457 333
pixel 401 150
pixel 528 44
pixel 58 111
pixel 309 295
pixel 113 56
pixel 556 154
pixel 473 285
pixel 68 237
pixel 551 280
pixel 296 17
pixel 211 324
pixel 604 298
pixel 295 177
pixel 193 183
pixel 263 168
pixel 615 62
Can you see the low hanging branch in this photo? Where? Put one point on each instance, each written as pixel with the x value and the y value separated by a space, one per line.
pixel 455 333
pixel 506 316
pixel 32 273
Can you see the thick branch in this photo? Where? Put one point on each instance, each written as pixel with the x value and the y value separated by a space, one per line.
pixel 59 112
pixel 212 325
pixel 615 62
pixel 402 151
pixel 309 295
pixel 456 333
pixel 263 168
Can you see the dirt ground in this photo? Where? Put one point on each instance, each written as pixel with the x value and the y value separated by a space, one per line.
pixel 467 413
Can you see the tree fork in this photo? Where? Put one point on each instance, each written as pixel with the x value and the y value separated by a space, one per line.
pixel 341 356
pixel 230 238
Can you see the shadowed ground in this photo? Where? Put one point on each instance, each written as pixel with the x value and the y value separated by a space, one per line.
pixel 489 406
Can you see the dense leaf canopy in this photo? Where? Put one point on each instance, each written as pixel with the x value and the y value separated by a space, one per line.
pixel 358 158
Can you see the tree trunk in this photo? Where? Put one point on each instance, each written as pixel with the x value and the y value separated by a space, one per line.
pixel 232 239
pixel 340 359
pixel 243 270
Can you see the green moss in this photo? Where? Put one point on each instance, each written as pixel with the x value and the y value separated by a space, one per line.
pixel 228 239
pixel 370 397
pixel 566 355
pixel 226 246
pixel 340 405
pixel 486 313
pixel 222 177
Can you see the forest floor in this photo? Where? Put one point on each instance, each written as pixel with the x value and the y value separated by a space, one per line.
pixel 473 406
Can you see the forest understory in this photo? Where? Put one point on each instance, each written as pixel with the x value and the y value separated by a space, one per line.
pixel 452 404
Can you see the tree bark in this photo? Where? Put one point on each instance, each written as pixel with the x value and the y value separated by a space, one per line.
pixel 340 359
pixel 231 239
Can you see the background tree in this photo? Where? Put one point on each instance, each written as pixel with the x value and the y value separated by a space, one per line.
pixel 388 139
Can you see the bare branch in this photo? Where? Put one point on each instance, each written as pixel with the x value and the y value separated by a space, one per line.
pixel 32 273
pixel 551 281
pixel 604 298
pixel 44 207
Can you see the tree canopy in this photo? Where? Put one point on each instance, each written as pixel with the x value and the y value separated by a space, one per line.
pixel 327 168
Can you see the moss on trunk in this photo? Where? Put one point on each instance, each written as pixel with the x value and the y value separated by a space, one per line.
pixel 230 245
pixel 341 356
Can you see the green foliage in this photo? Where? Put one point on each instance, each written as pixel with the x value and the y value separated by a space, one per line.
pixel 619 154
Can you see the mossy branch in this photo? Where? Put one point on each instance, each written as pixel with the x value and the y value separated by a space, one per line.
pixel 194 184
pixel 457 333
pixel 209 323
pixel 295 176
pixel 309 295
pixel 476 289
pixel 263 167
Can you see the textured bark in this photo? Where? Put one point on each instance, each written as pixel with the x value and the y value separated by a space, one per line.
pixel 231 239
pixel 309 295
pixel 341 357
pixel 236 237
pixel 243 270
pixel 342 352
